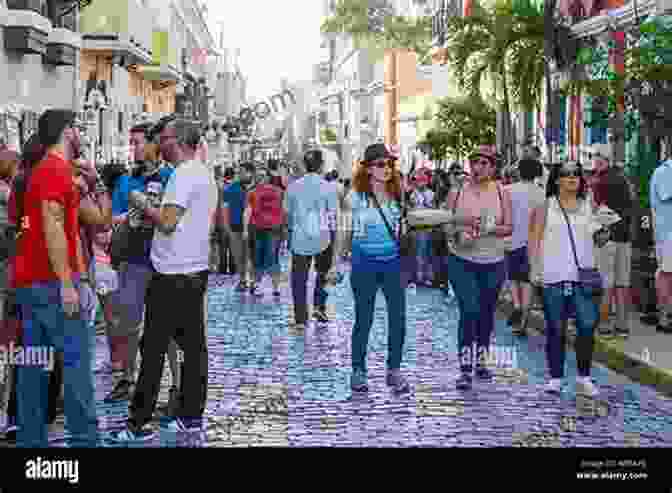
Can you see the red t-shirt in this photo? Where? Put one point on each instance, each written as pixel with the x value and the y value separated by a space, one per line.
pixel 51 180
pixel 266 205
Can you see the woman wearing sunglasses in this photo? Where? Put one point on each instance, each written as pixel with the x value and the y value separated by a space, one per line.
pixel 476 264
pixel 555 257
pixel 376 263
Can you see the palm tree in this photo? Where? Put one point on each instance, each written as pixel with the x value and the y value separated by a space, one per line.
pixel 477 47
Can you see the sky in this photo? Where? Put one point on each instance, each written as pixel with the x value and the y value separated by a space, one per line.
pixel 277 39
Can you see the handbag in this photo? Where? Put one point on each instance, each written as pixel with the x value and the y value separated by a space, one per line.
pixel 404 240
pixel 590 279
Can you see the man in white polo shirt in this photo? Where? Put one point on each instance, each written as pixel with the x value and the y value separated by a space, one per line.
pixel 175 297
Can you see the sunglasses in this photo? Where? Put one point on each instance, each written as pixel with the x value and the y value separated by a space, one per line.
pixel 387 163
pixel 571 173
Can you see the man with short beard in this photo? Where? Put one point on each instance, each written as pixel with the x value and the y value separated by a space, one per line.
pixel 180 268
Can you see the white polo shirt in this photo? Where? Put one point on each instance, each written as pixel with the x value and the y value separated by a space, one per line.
pixel 191 187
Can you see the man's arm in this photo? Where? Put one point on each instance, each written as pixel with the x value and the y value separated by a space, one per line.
pixel 53 217
pixel 165 219
pixel 96 211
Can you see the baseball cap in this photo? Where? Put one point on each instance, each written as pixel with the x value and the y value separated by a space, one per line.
pixel 378 151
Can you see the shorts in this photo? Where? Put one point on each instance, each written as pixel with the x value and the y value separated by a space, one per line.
pixel 518 265
pixel 616 264
pixel 128 301
pixel 664 255
pixel 107 279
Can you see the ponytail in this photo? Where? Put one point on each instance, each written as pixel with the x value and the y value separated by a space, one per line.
pixel 33 152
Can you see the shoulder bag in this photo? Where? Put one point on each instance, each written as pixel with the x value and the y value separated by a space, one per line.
pixel 590 279
pixel 404 240
pixel 119 242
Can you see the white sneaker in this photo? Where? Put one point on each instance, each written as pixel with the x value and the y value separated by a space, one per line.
pixel 586 387
pixel 554 386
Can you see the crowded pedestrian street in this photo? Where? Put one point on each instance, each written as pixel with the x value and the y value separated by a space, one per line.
pixel 271 387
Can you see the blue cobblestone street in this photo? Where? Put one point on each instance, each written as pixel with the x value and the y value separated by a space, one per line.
pixel 272 387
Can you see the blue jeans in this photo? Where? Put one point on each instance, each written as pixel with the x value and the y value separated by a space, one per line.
pixel 366 278
pixel 476 288
pixel 424 254
pixel 46 326
pixel 266 253
pixel 557 309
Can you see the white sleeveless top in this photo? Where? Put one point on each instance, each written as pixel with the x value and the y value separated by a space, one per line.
pixel 558 259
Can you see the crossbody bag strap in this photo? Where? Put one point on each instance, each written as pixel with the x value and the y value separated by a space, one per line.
pixel 571 235
pixel 387 224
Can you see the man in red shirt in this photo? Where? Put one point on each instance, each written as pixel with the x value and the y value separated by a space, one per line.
pixel 48 272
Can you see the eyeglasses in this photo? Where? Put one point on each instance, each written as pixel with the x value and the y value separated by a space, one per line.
pixel 570 173
pixel 383 163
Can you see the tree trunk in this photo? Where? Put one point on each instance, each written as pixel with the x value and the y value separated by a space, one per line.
pixel 508 137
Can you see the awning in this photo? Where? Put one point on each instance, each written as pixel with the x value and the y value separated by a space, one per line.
pixel 159 73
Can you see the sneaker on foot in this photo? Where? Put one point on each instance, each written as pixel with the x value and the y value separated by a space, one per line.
pixel 130 435
pixel 482 373
pixel 359 381
pixel 321 316
pixel 554 386
pixel 621 332
pixel 397 381
pixel 182 425
pixel 464 382
pixel 122 391
pixel 241 287
pixel 586 387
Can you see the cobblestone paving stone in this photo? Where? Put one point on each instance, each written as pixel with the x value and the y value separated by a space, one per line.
pixel 272 387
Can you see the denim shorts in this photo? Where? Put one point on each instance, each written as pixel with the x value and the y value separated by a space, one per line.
pixel 518 265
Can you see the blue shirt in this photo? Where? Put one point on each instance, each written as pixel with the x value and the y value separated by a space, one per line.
pixel 140 246
pixel 660 196
pixel 234 197
pixel 127 184
pixel 311 203
pixel 371 239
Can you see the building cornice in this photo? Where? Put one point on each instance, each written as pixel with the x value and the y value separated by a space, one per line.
pixel 619 18
pixel 115 43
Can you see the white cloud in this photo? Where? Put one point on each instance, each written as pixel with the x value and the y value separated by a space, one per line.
pixel 277 39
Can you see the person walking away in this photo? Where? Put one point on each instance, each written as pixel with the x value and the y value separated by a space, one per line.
pixel 476 265
pixel 311 206
pixel 234 201
pixel 267 216
pixel 228 265
pixel 610 188
pixel 48 271
pixel 562 237
pixel 423 198
pixel 525 197
pixel 660 196
pixel 180 261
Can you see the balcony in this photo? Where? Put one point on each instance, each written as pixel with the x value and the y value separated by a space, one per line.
pixel 123 26
pixel 62 47
pixel 26 30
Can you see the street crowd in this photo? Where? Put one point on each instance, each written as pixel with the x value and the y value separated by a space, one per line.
pixel 77 239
